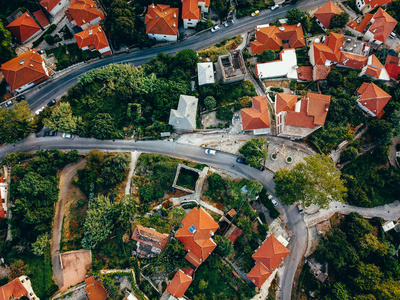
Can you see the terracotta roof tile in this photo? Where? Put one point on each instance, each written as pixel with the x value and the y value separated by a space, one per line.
pixel 392 66
pixel 271 37
pixel 13 290
pixel 233 236
pixel 49 4
pixel 179 284
pixel 376 3
pixel 92 37
pixel 41 17
pixel 162 19
pixel 318 106
pixel 271 253
pixel 382 26
pixel 373 98
pixel 256 117
pixel 364 22
pixel 320 72
pixel 149 237
pixel 284 102
pixel 24 69
pixel 305 73
pixel 198 228
pixel 95 289
pixel 259 274
pixel 299 119
pixel 326 12
pixel 23 27
pixel 190 9
pixel 83 11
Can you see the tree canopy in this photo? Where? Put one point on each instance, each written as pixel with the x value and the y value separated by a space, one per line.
pixel 339 21
pixel 15 123
pixel 255 151
pixel 317 181
pixel 6 51
pixel 120 22
pixel 62 119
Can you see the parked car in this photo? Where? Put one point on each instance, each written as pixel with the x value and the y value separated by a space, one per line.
pixel 255 13
pixel 46 133
pixel 20 98
pixel 272 200
pixel 261 168
pixel 211 152
pixel 231 21
pixel 215 28
pixel 241 161
pixel 53 133
pixel 226 24
pixel 51 102
pixel 39 110
pixel 275 7
pixel 392 35
pixel 9 103
pixel 68 136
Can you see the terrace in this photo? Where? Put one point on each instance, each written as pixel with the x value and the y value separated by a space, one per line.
pixel 354 46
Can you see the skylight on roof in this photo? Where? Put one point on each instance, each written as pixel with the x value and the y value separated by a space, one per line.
pixel 192 229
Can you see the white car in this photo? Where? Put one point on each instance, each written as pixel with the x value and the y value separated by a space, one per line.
pixel 215 28
pixel 272 200
pixel 226 24
pixel 39 110
pixel 68 136
pixel 274 7
pixel 211 152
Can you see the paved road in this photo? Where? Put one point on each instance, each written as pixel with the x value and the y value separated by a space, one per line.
pixel 54 88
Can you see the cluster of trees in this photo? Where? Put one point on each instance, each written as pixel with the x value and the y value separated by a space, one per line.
pixel 6 51
pixel 361 264
pixel 295 16
pixel 255 151
pixel 15 123
pixel 317 181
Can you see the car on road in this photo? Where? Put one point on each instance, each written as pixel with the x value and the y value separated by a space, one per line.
pixel 68 136
pixel 20 98
pixel 226 24
pixel 9 103
pixel 241 161
pixel 39 110
pixel 272 200
pixel 51 102
pixel 255 13
pixel 215 28
pixel 261 168
pixel 211 152
pixel 231 21
pixel 274 7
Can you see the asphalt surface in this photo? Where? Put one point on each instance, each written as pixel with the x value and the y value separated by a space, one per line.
pixel 55 88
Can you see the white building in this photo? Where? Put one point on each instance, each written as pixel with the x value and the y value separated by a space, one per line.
pixel 184 118
pixel 286 66
pixel 205 73
pixel 54 6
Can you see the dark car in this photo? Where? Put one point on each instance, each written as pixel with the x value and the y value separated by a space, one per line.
pixel 53 133
pixel 241 161
pixel 50 133
pixel 261 168
pixel 20 98
pixel 46 133
pixel 52 102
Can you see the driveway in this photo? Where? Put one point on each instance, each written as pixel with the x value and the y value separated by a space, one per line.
pixel 65 178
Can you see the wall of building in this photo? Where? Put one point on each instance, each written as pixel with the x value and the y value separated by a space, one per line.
pixel 190 23
pixel 91 23
pixel 163 38
pixel 105 49
pixel 33 36
pixel 59 7
pixel 203 7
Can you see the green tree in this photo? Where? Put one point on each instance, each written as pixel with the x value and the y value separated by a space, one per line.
pixel 220 7
pixel 62 119
pixel 203 285
pixel 224 113
pixel 267 55
pixel 334 78
pixel 114 169
pixel 369 276
pixel 317 181
pixel 255 151
pixel 339 21
pixel 341 292
pixel 210 102
pixel 381 131
pixel 348 154
pixel 253 189
pixel 103 126
pixel 14 123
pixel 186 59
pixel 294 16
pixel 6 51
pixel 99 222
pixel 120 22
pixel 224 246
pixel 41 243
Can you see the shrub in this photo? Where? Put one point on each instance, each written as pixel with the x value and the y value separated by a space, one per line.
pixel 49 39
pixel 276 89
pixel 262 218
pixel 210 102
pixel 348 154
pixel 224 113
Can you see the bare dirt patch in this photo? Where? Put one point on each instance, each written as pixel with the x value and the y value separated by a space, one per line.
pixel 75 264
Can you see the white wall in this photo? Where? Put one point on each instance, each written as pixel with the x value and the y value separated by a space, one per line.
pixel 203 7
pixel 59 7
pixel 163 38
pixel 104 50
pixel 91 23
pixel 191 23
pixel 360 4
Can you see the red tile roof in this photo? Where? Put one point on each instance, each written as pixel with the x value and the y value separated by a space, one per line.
pixel 259 274
pixel 198 243
pixel 150 237
pixel 233 236
pixel 383 25
pixel 373 98
pixel 179 284
pixel 271 37
pixel 83 11
pixel 49 4
pixel 392 66
pixel 24 69
pixel 256 117
pixel 305 73
pixel 376 3
pixel 318 106
pixel 162 19
pixel 375 68
pixel 13 290
pixel 92 37
pixel 95 289
pixel 23 27
pixel 190 9
pixel 360 27
pixel 326 12
pixel 284 102
pixel 41 17
pixel 2 213
pixel 271 253
pixel 321 72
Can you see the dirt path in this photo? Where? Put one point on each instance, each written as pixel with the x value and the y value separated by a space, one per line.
pixel 65 178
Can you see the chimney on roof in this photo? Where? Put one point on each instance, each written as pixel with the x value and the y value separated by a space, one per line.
pixel 31 65
pixel 174 15
pixel 22 62
pixel 166 13
pixel 174 25
pixel 83 21
pixel 152 5
pixel 298 24
pixel 90 32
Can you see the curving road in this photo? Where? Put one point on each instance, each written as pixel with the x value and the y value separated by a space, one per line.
pixel 56 87
pixel 222 160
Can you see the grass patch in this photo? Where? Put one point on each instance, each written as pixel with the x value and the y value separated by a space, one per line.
pixel 221 48
pixel 187 179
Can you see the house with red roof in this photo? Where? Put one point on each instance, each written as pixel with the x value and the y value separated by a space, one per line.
pixel 162 22
pixel 196 235
pixel 95 289
pixel 392 66
pixel 325 14
pixel 192 11
pixel 367 5
pixel 372 99
pixel 376 28
pixel 41 18
pixel 94 39
pixel 375 69
pixel 268 257
pixel 24 71
pixel 273 37
pixel 256 118
pixel 53 6
pixel 149 242
pixel 19 288
pixel 179 284
pixel 84 13
pixel 297 119
pixel 340 50
pixel 24 28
